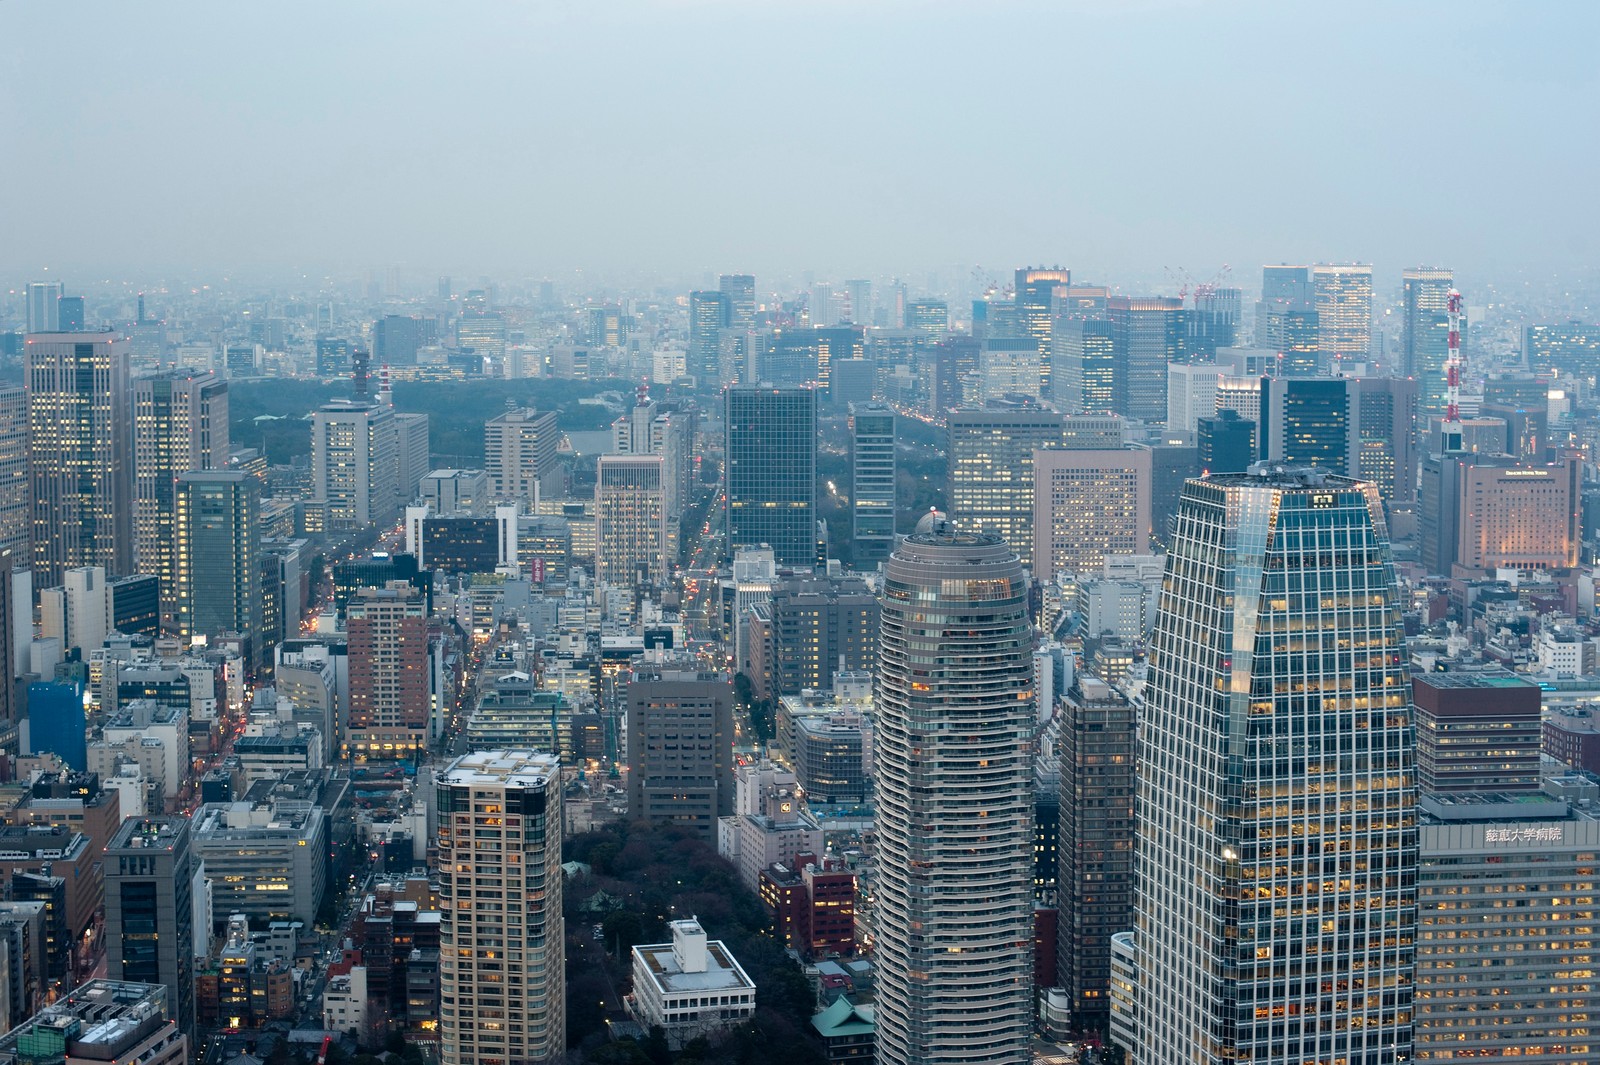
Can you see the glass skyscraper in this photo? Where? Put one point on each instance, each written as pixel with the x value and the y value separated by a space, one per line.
pixel 1277 836
pixel 771 474
pixel 953 738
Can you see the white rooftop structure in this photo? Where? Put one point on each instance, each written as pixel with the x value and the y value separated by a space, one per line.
pixel 522 768
pixel 690 986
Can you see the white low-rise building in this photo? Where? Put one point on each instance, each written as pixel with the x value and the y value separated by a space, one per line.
pixel 344 1003
pixel 689 987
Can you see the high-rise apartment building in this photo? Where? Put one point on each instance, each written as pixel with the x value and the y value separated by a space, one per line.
pixel 680 747
pixel 519 449
pixel 739 300
pixel 630 514
pixel 79 440
pixel 1342 297
pixel 872 482
pixel 150 884
pixel 216 564
pixel 44 306
pixel 991 470
pixel 355 463
pixel 771 473
pixel 1147 333
pixel 389 675
pixel 16 525
pixel 953 742
pixel 502 952
pixel 1088 504
pixel 1094 883
pixel 1277 838
pixel 180 424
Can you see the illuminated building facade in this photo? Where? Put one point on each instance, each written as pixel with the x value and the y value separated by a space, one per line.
pixel 519 449
pixel 771 473
pixel 1087 505
pixel 216 564
pixel 991 470
pixel 389 688
pixel 1342 297
pixel 1147 334
pixel 502 952
pixel 1424 332
pixel 872 482
pixel 630 514
pixel 16 527
pixel 355 463
pixel 1277 836
pixel 79 439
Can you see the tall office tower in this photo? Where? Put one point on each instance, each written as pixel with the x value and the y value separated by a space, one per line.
pixel 1424 330
pixel 71 313
pixel 630 515
pixel 1094 883
pixel 739 298
pixel 78 435
pixel 180 423
pixel 1342 297
pixel 1083 367
pixel 823 304
pixel 1489 512
pixel 1226 443
pixel 150 882
pixel 389 700
pixel 680 747
pixel 955 802
pixel 1477 733
pixel 14 599
pixel 1191 394
pixel 412 457
pixel 1088 504
pixel 502 957
pixel 708 315
pixel 991 470
pixel 1277 841
pixel 396 339
pixel 519 450
pixel 44 307
pixel 771 474
pixel 16 525
pixel 1147 333
pixel 1522 401
pixel 928 316
pixel 858 302
pixel 482 334
pixel 1286 284
pixel 355 463
pixel 1311 421
pixel 1213 322
pixel 808 631
pixel 1035 301
pixel 872 482
pixel 215 563
pixel 1293 331
pixel 835 345
pixel 1388 443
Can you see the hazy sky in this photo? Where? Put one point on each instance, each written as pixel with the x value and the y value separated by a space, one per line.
pixel 853 139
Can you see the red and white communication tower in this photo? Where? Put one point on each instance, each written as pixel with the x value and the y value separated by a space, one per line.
pixel 1452 375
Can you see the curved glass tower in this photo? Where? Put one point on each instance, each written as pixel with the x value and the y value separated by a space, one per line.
pixel 955 803
pixel 1277 838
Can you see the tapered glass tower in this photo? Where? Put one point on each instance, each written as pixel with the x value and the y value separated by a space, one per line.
pixel 954 727
pixel 1277 838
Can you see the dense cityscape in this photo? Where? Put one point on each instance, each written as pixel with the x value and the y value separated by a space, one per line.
pixel 510 674
pixel 712 532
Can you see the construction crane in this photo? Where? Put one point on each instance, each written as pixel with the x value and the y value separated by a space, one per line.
pixel 1452 375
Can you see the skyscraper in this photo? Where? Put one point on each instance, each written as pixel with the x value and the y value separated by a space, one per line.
pixel 680 747
pixel 953 739
pixel 519 450
pixel 79 439
pixel 16 524
pixel 149 891
pixel 1147 333
pixel 1311 421
pixel 1342 297
pixel 708 315
pixel 739 299
pixel 872 482
pixel 1035 298
pixel 1085 376
pixel 389 689
pixel 991 470
pixel 1386 423
pixel 630 513
pixel 180 423
pixel 355 463
pixel 215 563
pixel 1088 504
pixel 1425 331
pixel 502 962
pixel 771 474
pixel 1277 838
pixel 44 307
